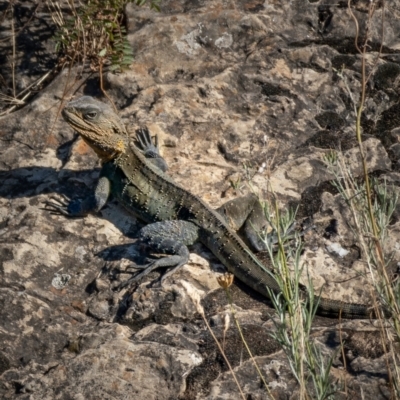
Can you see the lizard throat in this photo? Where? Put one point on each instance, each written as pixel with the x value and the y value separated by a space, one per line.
pixel 104 151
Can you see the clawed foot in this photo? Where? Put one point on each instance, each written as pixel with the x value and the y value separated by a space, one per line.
pixel 58 206
pixel 146 269
pixel 151 266
pixel 145 142
pixel 65 206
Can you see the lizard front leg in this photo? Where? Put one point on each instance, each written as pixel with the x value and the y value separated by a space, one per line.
pixel 79 208
pixel 168 237
pixel 150 150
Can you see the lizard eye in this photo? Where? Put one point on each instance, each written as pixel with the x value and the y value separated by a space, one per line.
pixel 91 115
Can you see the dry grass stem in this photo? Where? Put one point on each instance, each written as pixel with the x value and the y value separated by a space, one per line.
pixel 195 296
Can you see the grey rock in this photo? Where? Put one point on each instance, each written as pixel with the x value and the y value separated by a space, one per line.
pixel 222 84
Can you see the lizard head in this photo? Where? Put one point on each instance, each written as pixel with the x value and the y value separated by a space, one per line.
pixel 99 126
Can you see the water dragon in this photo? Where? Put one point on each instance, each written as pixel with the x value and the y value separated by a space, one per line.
pixel 136 176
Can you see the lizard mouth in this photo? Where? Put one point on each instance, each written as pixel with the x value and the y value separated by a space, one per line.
pixel 71 116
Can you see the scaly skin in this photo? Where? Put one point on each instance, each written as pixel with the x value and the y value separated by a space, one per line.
pixel 150 194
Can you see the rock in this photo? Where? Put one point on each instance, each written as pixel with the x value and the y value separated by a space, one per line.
pixel 236 91
pixel 111 364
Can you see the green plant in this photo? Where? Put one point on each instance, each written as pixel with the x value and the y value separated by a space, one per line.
pixel 371 215
pixel 371 203
pixel 295 308
pixel 94 32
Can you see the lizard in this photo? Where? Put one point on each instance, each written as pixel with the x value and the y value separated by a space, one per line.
pixel 136 176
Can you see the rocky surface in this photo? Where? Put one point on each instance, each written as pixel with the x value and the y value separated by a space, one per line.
pixel 268 85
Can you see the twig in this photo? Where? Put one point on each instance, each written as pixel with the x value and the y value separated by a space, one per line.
pixel 32 86
pixel 102 87
pixel 193 294
pixel 245 343
pixel 13 50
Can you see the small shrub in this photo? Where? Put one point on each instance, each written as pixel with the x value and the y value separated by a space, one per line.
pixel 94 33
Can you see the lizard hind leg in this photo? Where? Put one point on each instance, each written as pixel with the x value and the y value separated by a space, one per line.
pixel 246 214
pixel 169 237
